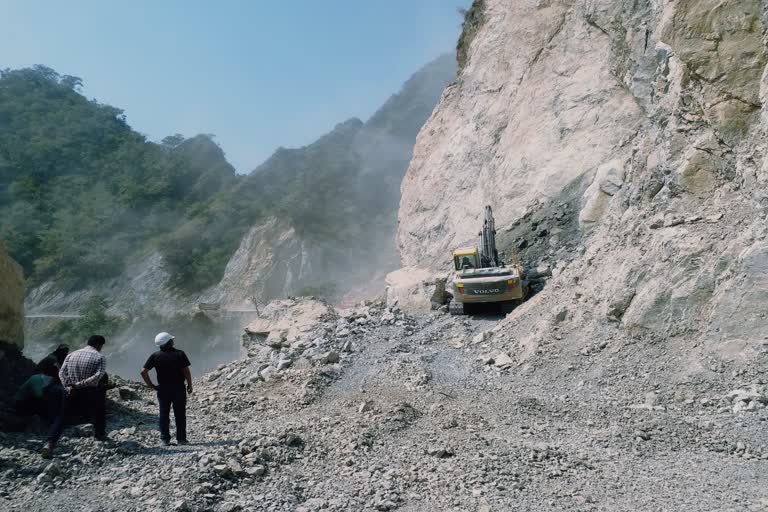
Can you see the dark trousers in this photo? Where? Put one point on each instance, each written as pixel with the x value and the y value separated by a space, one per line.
pixel 53 396
pixel 88 402
pixel 176 397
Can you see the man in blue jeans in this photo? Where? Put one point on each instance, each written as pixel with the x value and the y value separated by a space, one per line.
pixel 172 367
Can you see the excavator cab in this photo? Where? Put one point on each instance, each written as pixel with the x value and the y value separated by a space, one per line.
pixel 466 258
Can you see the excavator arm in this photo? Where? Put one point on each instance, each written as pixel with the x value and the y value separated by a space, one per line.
pixel 488 252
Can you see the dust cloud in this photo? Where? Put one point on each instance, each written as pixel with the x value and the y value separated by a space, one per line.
pixel 208 341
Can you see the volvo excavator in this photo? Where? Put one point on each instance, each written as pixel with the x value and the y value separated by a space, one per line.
pixel 479 275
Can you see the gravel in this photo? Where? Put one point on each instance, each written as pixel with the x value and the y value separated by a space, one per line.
pixel 415 422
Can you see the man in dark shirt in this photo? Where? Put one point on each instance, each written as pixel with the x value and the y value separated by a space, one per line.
pixel 51 364
pixel 172 367
pixel 40 394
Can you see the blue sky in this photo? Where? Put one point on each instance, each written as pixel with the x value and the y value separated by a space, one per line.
pixel 258 74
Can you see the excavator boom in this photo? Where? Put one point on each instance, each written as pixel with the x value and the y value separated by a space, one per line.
pixel 489 253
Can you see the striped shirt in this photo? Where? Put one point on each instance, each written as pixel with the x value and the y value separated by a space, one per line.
pixel 83 368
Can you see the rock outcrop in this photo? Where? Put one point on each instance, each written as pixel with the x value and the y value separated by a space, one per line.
pixel 11 301
pixel 646 123
pixel 416 290
pixel 272 261
pixel 537 109
pixel 14 367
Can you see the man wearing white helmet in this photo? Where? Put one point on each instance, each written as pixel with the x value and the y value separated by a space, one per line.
pixel 172 367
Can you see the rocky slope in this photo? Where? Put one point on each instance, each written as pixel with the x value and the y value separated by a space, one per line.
pixel 623 145
pixel 370 409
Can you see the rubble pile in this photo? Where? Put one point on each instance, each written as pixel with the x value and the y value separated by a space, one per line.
pixel 429 413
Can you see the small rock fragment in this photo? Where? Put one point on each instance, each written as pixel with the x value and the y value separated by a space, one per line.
pixel 330 357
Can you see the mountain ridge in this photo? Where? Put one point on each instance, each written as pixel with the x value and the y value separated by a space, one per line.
pixel 318 189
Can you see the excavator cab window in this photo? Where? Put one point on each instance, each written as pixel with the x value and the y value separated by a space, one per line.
pixel 465 261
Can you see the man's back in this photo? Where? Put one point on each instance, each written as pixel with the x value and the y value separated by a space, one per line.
pixel 85 366
pixel 33 388
pixel 169 365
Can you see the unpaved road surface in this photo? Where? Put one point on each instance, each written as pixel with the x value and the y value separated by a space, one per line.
pixel 413 420
pixel 54 315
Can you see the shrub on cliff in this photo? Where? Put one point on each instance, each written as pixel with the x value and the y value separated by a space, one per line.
pixel 474 17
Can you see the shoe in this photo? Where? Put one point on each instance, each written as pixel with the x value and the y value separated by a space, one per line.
pixel 183 442
pixel 47 451
pixel 102 438
pixel 166 442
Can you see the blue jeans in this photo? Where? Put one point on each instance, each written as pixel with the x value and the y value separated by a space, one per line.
pixel 176 397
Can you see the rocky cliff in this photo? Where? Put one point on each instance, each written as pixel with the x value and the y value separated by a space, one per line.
pixel 621 143
pixel 11 300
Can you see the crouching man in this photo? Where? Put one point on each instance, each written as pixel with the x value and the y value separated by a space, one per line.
pixel 172 367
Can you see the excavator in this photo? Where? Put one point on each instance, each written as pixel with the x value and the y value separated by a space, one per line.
pixel 479 275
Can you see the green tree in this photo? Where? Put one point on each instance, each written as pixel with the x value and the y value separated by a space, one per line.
pixel 80 192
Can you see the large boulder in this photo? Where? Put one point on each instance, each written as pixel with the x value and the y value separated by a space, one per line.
pixel 14 367
pixel 286 321
pixel 11 300
pixel 415 290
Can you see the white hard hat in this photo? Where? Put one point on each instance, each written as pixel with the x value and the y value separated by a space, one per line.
pixel 163 338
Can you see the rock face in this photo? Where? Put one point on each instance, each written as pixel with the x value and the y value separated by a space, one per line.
pixel 538 109
pixel 650 119
pixel 272 261
pixel 144 284
pixel 11 301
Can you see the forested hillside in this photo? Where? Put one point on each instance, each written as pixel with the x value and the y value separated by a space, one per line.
pixel 82 194
pixel 79 190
